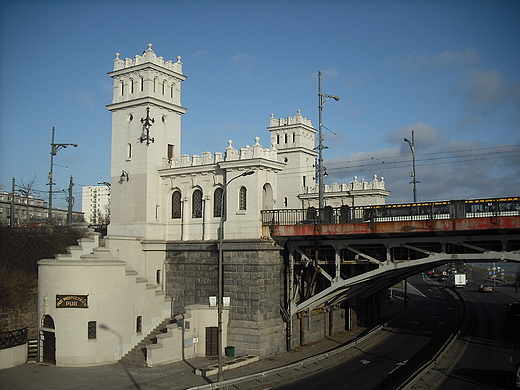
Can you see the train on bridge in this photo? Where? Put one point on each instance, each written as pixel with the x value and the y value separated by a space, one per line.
pixel 439 210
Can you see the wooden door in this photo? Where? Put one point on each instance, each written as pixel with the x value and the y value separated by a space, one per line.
pixel 212 341
pixel 49 347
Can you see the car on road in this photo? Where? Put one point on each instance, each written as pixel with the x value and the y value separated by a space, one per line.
pixel 513 309
pixel 485 288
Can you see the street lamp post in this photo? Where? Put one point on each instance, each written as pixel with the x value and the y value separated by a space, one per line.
pixel 414 181
pixel 220 297
pixel 321 169
pixel 54 150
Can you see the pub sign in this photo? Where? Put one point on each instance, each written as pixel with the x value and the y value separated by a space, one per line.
pixel 72 301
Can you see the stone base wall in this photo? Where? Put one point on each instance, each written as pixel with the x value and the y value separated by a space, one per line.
pixel 21 317
pixel 253 279
pixel 317 326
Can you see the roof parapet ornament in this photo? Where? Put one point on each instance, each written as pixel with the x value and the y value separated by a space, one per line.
pixel 147 123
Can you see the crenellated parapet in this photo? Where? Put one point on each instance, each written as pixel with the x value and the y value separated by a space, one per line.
pixel 295 120
pixel 207 158
pixel 148 56
pixel 354 185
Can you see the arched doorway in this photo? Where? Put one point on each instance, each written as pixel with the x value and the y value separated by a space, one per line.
pixel 48 340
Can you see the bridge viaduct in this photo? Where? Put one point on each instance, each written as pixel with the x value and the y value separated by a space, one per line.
pixel 349 253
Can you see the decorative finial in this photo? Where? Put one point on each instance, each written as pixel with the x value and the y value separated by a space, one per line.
pixel 257 140
pixel 150 46
pixel 117 56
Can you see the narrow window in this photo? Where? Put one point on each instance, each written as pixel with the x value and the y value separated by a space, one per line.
pixel 141 83
pixel 92 330
pixel 129 150
pixel 154 84
pixel 163 87
pixel 122 88
pixel 171 91
pixel 197 204
pixel 277 139
pixel 170 152
pixel 293 137
pixel 285 138
pixel 131 85
pixel 304 182
pixel 176 204
pixel 139 324
pixel 284 202
pixel 158 276
pixel 217 202
pixel 242 195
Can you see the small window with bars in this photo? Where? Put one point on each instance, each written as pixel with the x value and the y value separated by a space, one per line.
pixel 92 330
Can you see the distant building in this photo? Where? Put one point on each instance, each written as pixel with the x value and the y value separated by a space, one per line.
pixel 95 204
pixel 29 210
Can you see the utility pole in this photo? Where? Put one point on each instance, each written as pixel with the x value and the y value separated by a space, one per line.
pixel 54 150
pixel 321 167
pixel 70 201
pixel 12 211
pixel 412 174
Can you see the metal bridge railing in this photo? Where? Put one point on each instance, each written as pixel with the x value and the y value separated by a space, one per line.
pixel 476 208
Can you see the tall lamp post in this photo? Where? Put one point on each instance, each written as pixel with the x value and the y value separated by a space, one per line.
pixel 220 297
pixel 54 150
pixel 414 181
pixel 321 169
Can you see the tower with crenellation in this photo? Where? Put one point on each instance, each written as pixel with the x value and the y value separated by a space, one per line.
pixel 146 130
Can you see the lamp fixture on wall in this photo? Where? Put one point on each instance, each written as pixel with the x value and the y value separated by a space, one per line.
pixel 123 177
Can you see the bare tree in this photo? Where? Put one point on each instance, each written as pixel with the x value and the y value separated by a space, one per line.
pixel 26 190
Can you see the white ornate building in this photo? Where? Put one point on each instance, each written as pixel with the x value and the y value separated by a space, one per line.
pixel 163 204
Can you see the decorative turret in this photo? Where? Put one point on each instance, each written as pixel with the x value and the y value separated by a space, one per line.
pixel 146 130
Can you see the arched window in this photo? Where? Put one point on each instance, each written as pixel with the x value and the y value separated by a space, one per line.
pixel 171 90
pixel 285 137
pixel 154 84
pixel 131 85
pixel 122 88
pixel 242 198
pixel 293 137
pixel 176 205
pixel 217 202
pixel 277 139
pixel 196 204
pixel 129 150
pixel 164 87
pixel 47 322
pixel 141 83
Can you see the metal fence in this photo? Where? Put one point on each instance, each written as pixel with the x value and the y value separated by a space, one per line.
pixel 13 338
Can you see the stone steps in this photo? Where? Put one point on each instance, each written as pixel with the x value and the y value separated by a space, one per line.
pixel 138 354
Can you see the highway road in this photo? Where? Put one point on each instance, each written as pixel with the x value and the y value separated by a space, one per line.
pixel 386 364
pixel 493 341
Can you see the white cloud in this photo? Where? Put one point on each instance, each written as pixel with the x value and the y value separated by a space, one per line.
pixel 422 62
pixel 445 168
pixel 243 63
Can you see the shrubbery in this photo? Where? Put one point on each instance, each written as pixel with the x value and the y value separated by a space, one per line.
pixel 20 250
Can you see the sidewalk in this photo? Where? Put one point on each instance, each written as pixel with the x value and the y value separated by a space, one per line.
pixel 179 375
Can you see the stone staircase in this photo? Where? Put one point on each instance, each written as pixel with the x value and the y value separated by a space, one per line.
pixel 138 354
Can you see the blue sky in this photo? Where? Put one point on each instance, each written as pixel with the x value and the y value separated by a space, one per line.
pixel 446 69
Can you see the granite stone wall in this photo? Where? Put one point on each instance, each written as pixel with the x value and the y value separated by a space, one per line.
pixel 253 279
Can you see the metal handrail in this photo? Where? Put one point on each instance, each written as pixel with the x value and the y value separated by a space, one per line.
pixel 13 338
